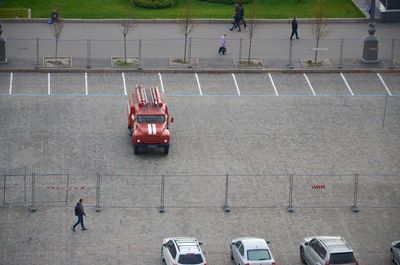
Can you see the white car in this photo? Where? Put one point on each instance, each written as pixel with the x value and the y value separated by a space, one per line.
pixel 182 251
pixel 395 252
pixel 251 251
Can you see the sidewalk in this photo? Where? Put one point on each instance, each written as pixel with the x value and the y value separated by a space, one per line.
pixel 161 41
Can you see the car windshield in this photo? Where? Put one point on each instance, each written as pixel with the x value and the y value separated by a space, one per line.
pixel 258 254
pixel 151 119
pixel 342 258
pixel 190 259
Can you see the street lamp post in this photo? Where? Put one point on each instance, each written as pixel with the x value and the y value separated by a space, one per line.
pixel 370 51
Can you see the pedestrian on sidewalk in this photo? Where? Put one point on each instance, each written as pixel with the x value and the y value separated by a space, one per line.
pixel 80 212
pixel 222 45
pixel 241 12
pixel 294 28
pixel 54 16
pixel 236 21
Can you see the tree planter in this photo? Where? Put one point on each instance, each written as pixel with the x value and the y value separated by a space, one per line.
pixel 255 63
pixel 120 62
pixel 178 63
pixel 396 62
pixel 321 63
pixel 61 61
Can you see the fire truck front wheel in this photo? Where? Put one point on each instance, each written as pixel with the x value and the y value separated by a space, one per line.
pixel 136 148
pixel 166 149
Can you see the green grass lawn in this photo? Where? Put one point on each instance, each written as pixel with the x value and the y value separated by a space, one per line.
pixel 120 9
pixel 12 13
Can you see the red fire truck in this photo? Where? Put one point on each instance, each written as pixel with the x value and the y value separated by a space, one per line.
pixel 148 119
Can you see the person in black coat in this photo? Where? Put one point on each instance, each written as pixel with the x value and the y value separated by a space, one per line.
pixel 294 28
pixel 79 212
pixel 236 21
pixel 241 12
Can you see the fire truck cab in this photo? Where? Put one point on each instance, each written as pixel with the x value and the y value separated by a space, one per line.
pixel 148 119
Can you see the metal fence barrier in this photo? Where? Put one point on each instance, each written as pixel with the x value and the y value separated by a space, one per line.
pixel 231 191
pixel 88 53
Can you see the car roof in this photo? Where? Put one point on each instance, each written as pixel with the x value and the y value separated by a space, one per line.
pixel 187 245
pixel 253 243
pixel 335 244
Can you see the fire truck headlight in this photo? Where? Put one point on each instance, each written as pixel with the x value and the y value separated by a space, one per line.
pixel 138 140
pixel 165 140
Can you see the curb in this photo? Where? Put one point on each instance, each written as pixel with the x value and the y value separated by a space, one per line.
pixel 272 70
pixel 199 21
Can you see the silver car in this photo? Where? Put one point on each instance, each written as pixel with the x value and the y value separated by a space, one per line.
pixel 395 252
pixel 251 251
pixel 322 250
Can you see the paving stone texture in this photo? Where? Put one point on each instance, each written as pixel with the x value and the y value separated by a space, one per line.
pixel 258 140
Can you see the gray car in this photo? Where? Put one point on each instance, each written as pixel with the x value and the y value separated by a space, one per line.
pixel 322 250
pixel 395 252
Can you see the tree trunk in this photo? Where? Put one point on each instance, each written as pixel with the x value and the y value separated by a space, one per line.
pixel 56 48
pixel 248 59
pixel 125 48
pixel 184 54
pixel 316 52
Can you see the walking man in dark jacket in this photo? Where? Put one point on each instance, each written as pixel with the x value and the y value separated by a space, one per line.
pixel 241 12
pixel 236 20
pixel 294 28
pixel 80 213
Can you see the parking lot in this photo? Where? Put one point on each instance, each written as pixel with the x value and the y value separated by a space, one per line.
pixel 251 124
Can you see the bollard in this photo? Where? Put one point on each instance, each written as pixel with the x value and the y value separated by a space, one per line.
pixel 290 206
pixel 240 53
pixel 66 195
pixel 162 208
pixel 354 207
pixel 190 53
pixel 25 186
pixel 32 208
pixel 88 44
pixel 341 54
pixel 392 55
pixel 140 55
pixel 226 207
pixel 97 209
pixel 289 65
pixel 37 54
pixel 3 58
pixel 4 191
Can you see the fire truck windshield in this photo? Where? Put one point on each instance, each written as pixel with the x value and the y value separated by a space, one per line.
pixel 151 119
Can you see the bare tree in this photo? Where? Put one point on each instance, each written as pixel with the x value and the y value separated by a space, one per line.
pixel 57 28
pixel 125 28
pixel 319 27
pixel 186 24
pixel 251 26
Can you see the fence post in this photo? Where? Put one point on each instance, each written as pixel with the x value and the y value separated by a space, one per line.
pixel 37 54
pixel 25 186
pixel 240 53
pixel 341 54
pixel 289 65
pixel 140 55
pixel 384 111
pixel 162 208
pixel 354 207
pixel 66 195
pixel 88 53
pixel 290 206
pixel 226 207
pixel 190 53
pixel 97 209
pixel 4 190
pixel 32 208
pixel 392 54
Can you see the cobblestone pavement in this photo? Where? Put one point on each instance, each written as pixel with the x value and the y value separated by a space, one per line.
pixel 257 134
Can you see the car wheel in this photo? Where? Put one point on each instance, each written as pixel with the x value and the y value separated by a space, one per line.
pixel 303 260
pixel 391 255
pixel 136 150
pixel 166 149
pixel 231 255
pixel 162 255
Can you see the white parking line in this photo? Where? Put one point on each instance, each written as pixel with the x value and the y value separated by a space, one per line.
pixel 161 82
pixel 273 84
pixel 347 84
pixel 236 84
pixel 384 84
pixel 48 83
pixel 123 80
pixel 308 81
pixel 86 84
pixel 11 83
pixel 198 83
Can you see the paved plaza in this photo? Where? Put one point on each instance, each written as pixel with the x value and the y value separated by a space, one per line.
pixel 257 127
